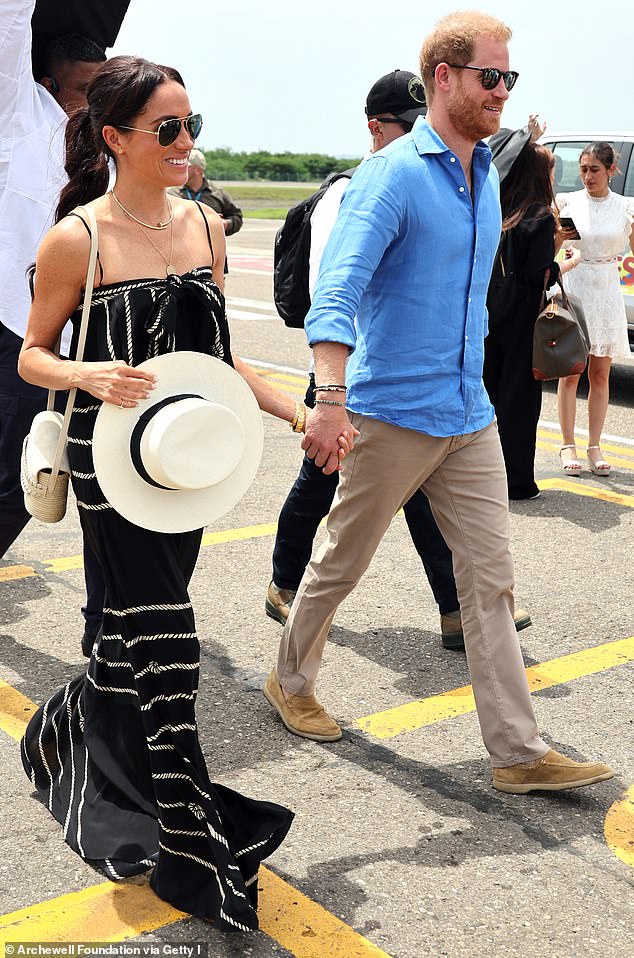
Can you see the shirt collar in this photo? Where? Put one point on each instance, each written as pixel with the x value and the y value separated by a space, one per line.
pixel 427 140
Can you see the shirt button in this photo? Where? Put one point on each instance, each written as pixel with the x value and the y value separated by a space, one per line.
pixel 469 299
pixel 461 189
pixel 452 159
pixel 466 339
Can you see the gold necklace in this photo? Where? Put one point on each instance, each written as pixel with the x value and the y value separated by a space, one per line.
pixel 169 269
pixel 161 226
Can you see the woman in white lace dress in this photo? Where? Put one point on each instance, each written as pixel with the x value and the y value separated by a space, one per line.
pixel 604 222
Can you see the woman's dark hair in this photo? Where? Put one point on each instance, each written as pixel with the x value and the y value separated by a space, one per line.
pixel 527 185
pixel 602 151
pixel 116 95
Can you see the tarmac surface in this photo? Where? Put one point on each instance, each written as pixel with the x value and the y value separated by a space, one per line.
pixel 400 847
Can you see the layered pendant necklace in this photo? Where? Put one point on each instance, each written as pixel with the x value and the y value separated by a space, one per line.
pixel 170 269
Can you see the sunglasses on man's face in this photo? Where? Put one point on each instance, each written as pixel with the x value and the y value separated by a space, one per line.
pixel 169 130
pixel 490 76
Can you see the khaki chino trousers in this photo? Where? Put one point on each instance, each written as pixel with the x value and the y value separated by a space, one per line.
pixel 465 481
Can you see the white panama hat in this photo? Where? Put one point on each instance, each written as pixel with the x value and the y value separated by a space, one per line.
pixel 185 455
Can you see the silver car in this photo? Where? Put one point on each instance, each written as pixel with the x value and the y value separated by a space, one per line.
pixel 567 148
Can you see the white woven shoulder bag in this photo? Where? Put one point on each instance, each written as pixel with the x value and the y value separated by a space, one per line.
pixel 44 467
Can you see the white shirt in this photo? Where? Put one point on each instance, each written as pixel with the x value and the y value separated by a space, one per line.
pixel 32 126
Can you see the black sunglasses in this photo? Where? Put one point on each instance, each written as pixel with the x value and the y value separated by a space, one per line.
pixel 491 76
pixel 169 130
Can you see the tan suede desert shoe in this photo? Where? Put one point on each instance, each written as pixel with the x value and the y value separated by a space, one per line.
pixel 278 603
pixel 302 714
pixel 551 773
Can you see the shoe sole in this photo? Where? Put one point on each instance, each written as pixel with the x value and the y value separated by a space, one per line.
pixel 315 737
pixel 273 613
pixel 548 787
pixel 455 643
pixel 523 623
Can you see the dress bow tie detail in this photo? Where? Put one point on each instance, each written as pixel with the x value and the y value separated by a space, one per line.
pixel 161 322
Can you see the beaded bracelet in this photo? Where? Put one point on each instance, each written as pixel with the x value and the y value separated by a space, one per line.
pixel 331 388
pixel 328 402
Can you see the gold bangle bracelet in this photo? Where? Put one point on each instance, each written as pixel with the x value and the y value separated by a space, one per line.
pixel 298 421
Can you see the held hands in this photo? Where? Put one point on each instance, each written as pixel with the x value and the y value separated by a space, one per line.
pixel 114 382
pixel 329 437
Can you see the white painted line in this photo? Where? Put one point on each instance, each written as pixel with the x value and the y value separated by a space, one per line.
pixel 251 272
pixel 243 314
pixel 282 369
pixel 253 252
pixel 262 304
pixel 546 424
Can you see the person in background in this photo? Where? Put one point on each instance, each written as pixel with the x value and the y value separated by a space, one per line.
pixel 32 124
pixel 530 241
pixel 198 187
pixel 392 106
pixel 604 221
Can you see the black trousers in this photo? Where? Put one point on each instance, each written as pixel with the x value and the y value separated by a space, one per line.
pixel 19 403
pixel 517 398
pixel 309 501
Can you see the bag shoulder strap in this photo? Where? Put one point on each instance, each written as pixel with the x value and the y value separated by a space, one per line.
pixel 83 329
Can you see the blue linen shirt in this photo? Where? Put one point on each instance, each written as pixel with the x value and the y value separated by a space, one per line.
pixel 410 257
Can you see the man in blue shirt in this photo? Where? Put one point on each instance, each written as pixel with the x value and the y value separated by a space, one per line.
pixel 411 256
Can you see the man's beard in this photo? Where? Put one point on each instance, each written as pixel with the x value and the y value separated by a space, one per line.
pixel 470 119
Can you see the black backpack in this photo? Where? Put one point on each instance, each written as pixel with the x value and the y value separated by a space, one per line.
pixel 505 285
pixel 291 257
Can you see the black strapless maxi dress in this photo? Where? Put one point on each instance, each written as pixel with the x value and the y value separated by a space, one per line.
pixel 115 753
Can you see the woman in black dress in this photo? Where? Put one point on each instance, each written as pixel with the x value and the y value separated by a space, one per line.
pixel 116 753
pixel 530 241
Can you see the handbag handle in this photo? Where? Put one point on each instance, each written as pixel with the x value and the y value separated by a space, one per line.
pixel 564 298
pixel 83 329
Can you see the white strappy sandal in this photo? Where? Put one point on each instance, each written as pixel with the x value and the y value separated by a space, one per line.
pixel 571 466
pixel 598 466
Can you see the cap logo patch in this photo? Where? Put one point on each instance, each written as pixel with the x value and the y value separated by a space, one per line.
pixel 416 90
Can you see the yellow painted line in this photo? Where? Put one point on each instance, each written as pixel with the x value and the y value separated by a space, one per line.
pixel 64 564
pixel 106 912
pixel 69 563
pixel 282 377
pixel 15 711
pixel 234 535
pixel 580 488
pixel 117 911
pixel 582 441
pixel 614 460
pixel 437 708
pixel 10 572
pixel 304 928
pixel 619 828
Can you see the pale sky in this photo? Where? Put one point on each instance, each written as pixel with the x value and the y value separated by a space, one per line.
pixel 292 75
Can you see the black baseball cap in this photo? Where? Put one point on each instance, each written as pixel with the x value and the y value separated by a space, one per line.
pixel 401 93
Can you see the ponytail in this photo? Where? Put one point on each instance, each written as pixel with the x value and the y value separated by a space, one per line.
pixel 86 164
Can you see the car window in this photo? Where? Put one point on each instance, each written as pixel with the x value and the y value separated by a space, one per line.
pixel 628 186
pixel 567 166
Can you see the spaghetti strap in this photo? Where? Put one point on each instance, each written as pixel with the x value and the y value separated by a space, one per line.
pixel 82 220
pixel 202 213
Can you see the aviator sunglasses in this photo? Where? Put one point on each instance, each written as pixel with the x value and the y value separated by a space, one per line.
pixel 169 130
pixel 490 76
